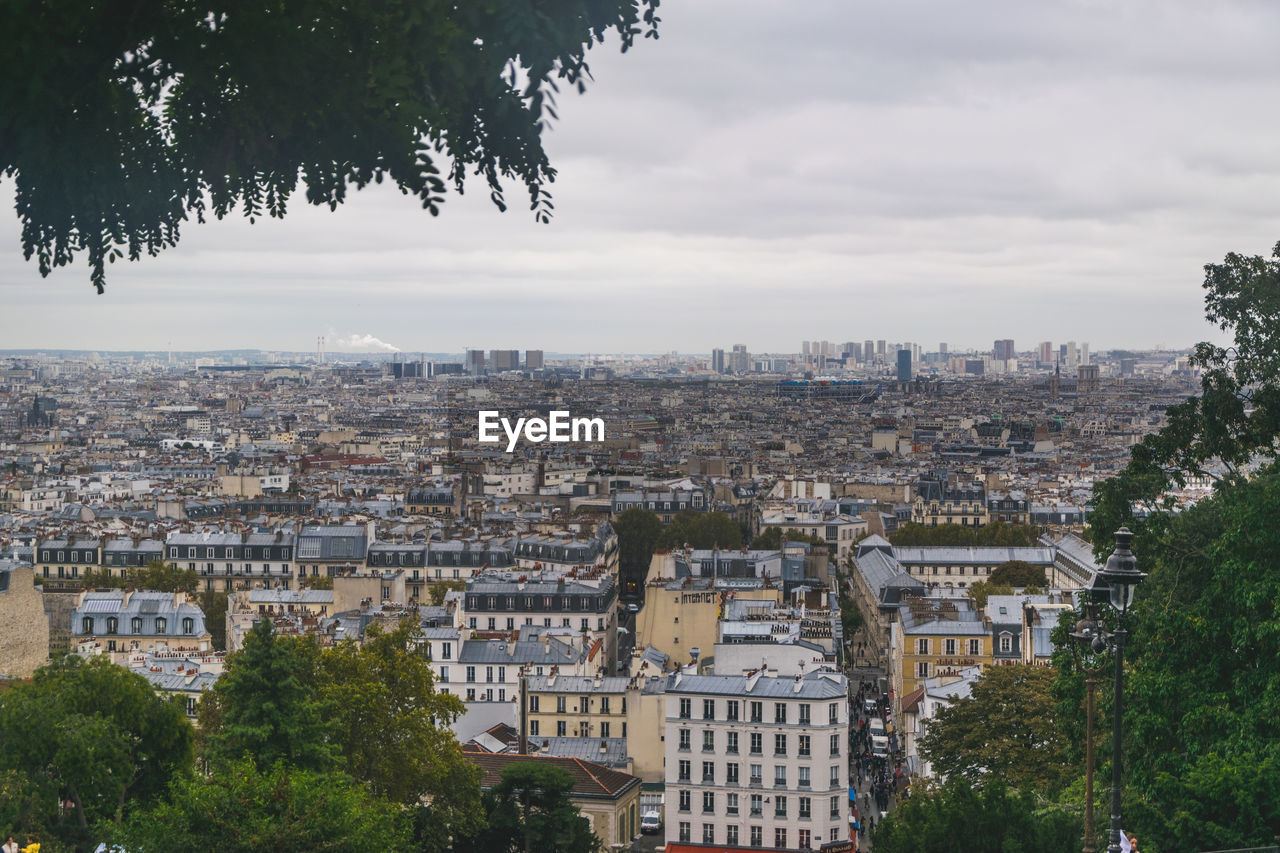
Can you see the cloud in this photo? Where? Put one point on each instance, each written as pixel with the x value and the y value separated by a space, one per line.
pixel 364 343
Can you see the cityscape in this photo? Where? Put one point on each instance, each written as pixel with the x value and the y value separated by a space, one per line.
pixel 625 426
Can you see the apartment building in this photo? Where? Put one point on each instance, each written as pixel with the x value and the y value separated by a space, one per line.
pixel 941 500
pixel 505 602
pixel 756 761
pixel 122 622
pixel 227 560
pixel 576 706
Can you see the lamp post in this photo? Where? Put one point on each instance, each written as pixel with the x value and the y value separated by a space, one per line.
pixel 1086 630
pixel 1122 578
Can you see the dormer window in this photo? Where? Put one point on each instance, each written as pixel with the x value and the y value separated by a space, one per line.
pixel 135 624
pixel 86 625
pixel 188 625
pixel 160 625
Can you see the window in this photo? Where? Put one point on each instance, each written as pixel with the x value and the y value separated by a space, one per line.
pixel 757 743
pixel 835 807
pixel 922 646
pixel 708 771
pixel 805 843
pixel 686 770
pixel 779 838
pixel 604 730
pixel 804 781
pixel 835 745
pixel 803 807
pixel 950 645
pixel 533 728
pixel 1006 643
pixel 686 709
pixel 922 669
pixel 780 808
pixel 684 801
pixel 584 705
pixel 757 774
pixel 779 744
pixel 731 834
pixel 684 830
pixel 757 805
pixel 708 709
pixel 561 728
pixel 757 712
pixel 803 746
pixel 731 804
pixel 135 624
pixel 188 625
pixel 708 802
pixel 113 624
pixel 780 712
pixel 533 703
pixel 561 702
pixel 779 776
pixel 804 714
pixel 708 833
pixel 604 704
pixel 731 710
pixel 732 746
pixel 86 625
pixel 488 675
pixel 833 713
pixel 757 836
pixel 731 773
pixel 835 775
pixel 708 740
pixel 471 675
pixel 684 740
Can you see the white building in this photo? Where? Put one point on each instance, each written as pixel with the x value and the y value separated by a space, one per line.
pixel 759 760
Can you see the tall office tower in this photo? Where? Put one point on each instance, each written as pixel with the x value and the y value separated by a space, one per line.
pixel 942 348
pixel 475 362
pixel 1072 360
pixel 504 359
pixel 855 350
pixel 717 361
pixel 904 365
pixel 1003 350
pixel 740 360
pixel 1084 353
pixel 1045 356
pixel 533 359
pixel 868 351
pixel 846 349
pixel 804 348
pixel 917 354
pixel 1062 355
pixel 880 350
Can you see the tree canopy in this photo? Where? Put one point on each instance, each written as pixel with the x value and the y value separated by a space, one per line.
pixel 701 530
pixel 529 810
pixel 773 537
pixel 1018 573
pixel 117 124
pixel 156 575
pixel 89 733
pixel 638 532
pixel 1005 728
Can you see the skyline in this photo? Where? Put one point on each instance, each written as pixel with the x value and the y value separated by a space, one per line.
pixel 773 176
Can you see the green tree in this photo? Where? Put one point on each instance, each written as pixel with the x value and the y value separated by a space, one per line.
pixel 701 530
pixel 530 810
pixel 241 809
pixel 981 591
pixel 322 582
pixel 773 537
pixel 961 817
pixel 394 731
pixel 214 605
pixel 436 590
pixel 638 532
pixel 1017 573
pixel 156 575
pixel 92 734
pixel 262 708
pixel 996 533
pixel 117 126
pixel 1004 729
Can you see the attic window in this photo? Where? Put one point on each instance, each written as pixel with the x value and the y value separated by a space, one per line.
pixel 1004 610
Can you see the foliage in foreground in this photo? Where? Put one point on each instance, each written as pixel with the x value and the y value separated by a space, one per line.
pixel 960 817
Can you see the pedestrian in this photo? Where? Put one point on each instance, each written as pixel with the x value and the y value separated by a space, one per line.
pixel 9 846
pixel 33 846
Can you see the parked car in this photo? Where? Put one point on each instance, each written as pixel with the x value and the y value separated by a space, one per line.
pixel 650 822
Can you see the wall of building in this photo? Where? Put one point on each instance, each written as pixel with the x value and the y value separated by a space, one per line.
pixel 24 629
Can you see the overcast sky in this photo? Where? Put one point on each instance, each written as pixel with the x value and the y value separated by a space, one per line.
pixel 770 172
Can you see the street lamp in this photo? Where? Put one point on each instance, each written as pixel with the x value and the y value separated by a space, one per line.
pixel 1086 633
pixel 1122 577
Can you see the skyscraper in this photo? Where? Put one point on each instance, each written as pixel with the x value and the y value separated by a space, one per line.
pixel 1045 355
pixel 942 348
pixel 475 362
pixel 504 359
pixel 868 351
pixel 904 365
pixel 533 359
pixel 1003 350
pixel 741 359
pixel 717 360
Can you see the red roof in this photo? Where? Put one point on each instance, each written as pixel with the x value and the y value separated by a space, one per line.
pixel 589 779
